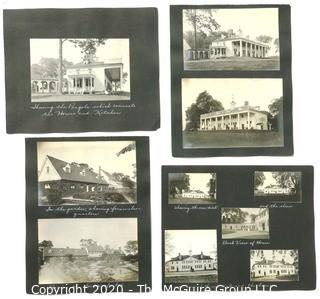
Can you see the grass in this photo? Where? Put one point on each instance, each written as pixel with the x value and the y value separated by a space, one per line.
pixel 192 279
pixel 195 201
pixel 270 278
pixel 234 64
pixel 221 139
pixel 39 98
pixel 83 269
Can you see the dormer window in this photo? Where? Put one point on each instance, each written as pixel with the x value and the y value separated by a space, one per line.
pixel 82 172
pixel 67 168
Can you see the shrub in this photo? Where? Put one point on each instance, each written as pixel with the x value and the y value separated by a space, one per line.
pixel 55 197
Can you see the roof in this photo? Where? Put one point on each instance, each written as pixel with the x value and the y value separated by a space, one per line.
pixel 94 248
pixel 76 168
pixel 235 110
pixel 270 262
pixel 95 63
pixel 37 77
pixel 63 251
pixel 196 256
pixel 238 38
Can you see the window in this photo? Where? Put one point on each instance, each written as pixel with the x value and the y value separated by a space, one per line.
pixel 47 186
pixel 83 173
pixel 48 169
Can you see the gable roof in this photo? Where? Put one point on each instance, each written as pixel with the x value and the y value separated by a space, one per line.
pixel 76 168
pixel 63 251
pixel 196 256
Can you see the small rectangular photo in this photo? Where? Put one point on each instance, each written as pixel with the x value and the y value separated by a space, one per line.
pixel 191 256
pixel 283 186
pixel 86 172
pixel 232 112
pixel 236 39
pixel 245 223
pixel 192 188
pixel 281 265
pixel 87 250
pixel 79 69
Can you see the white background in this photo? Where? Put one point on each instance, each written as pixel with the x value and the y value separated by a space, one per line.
pixel 306 116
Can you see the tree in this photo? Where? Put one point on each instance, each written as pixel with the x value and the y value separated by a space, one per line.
pixel 48 68
pixel 87 242
pixel 168 246
pixel 288 179
pixel 204 104
pixel 276 113
pixel 127 182
pixel 177 183
pixel 276 44
pixel 131 247
pixel 259 178
pixel 212 185
pixel 266 39
pixel 46 244
pixel 201 19
pixel 130 147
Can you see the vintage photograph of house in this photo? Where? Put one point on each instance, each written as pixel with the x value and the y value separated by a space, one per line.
pixel 192 188
pixel 232 112
pixel 231 39
pixel 191 256
pixel 274 265
pixel 245 223
pixel 278 185
pixel 79 69
pixel 87 250
pixel 86 172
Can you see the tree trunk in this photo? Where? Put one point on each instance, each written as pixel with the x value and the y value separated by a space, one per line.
pixel 60 72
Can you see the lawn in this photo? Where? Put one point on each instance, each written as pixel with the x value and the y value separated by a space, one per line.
pixel 83 269
pixel 192 278
pixel 195 201
pixel 276 278
pixel 40 98
pixel 234 64
pixel 221 139
pixel 227 234
pixel 278 197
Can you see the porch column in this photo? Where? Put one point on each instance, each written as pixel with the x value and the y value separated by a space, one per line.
pixel 216 123
pixel 121 79
pixel 238 123
pixel 248 117
pixel 241 48
pixel 246 49
pixel 91 85
pixel 222 122
pixel 82 85
pixel 256 46
pixel 230 122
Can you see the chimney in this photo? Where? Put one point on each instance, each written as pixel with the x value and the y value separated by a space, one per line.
pixel 179 256
pixel 201 255
pixel 246 103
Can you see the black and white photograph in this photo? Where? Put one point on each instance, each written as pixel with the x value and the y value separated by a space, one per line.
pixel 87 250
pixel 191 256
pixel 245 223
pixel 86 172
pixel 278 185
pixel 223 39
pixel 279 265
pixel 192 188
pixel 79 69
pixel 232 112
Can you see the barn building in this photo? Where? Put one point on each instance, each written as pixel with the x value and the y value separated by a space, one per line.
pixel 191 263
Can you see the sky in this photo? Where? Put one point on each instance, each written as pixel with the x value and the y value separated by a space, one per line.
pixel 269 179
pixel 251 21
pixel 204 240
pixel 114 232
pixel 278 256
pixel 94 153
pixel 113 49
pixel 199 181
pixel 258 92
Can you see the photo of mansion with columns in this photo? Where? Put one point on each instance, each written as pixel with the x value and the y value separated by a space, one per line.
pixel 244 117
pixel 231 39
pixel 80 70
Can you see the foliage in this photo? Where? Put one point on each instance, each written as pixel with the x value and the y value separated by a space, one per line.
pixel 276 44
pixel 259 178
pixel 212 185
pixel 46 244
pixel 88 47
pixel 266 39
pixel 87 242
pixel 205 103
pixel 54 197
pixel 131 247
pixel 177 183
pixel 276 113
pixel 48 68
pixel 168 247
pixel 236 215
pixel 288 179
pixel 128 148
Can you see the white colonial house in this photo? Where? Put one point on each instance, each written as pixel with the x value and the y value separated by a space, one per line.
pixel 191 263
pixel 194 194
pixel 265 268
pixel 245 117
pixel 95 77
pixel 259 222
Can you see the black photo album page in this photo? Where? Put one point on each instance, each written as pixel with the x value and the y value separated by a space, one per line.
pixel 81 70
pixel 231 89
pixel 88 215
pixel 237 228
